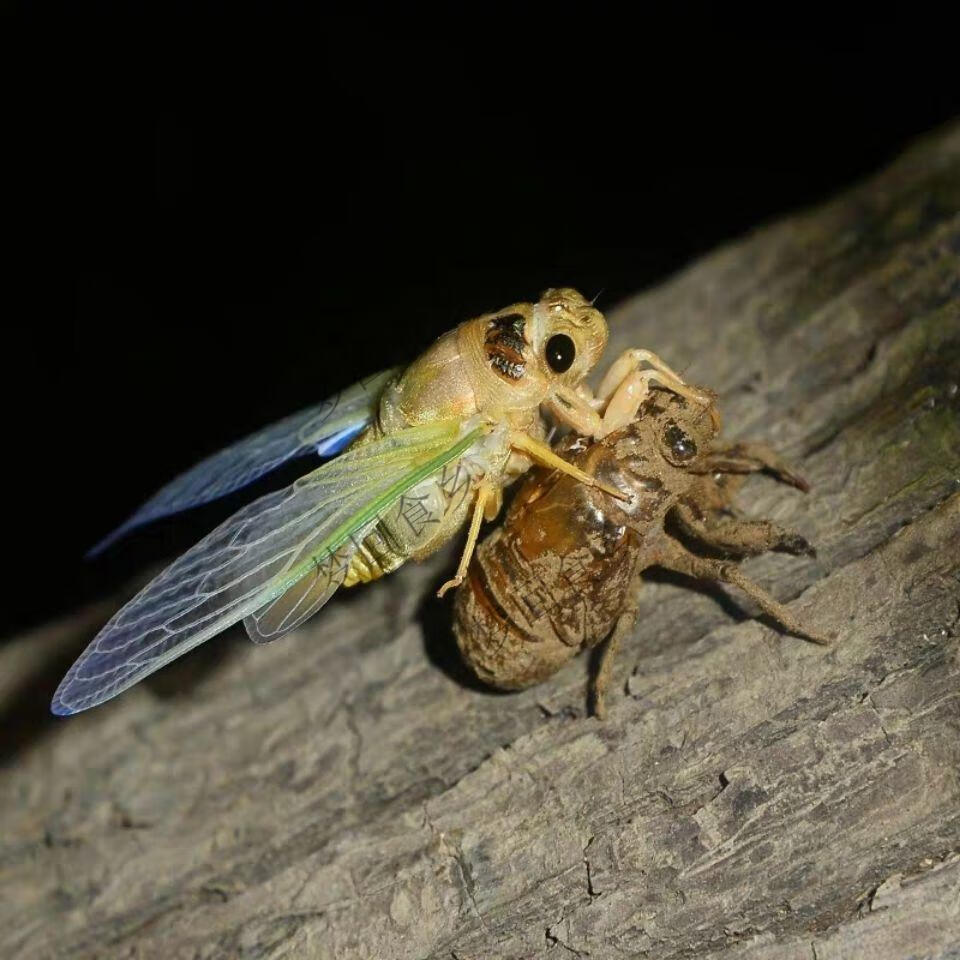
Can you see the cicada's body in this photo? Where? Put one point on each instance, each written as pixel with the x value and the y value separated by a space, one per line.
pixel 422 520
pixel 419 451
pixel 560 573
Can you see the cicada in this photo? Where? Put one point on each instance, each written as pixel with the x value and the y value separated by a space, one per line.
pixel 563 571
pixel 419 449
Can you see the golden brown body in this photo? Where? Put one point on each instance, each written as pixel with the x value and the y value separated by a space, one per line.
pixel 498 369
pixel 493 369
pixel 560 573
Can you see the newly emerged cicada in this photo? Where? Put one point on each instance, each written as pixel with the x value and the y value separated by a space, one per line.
pixel 561 573
pixel 419 450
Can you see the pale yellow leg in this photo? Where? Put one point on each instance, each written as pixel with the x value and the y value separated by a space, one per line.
pixel 630 360
pixel 625 386
pixel 542 454
pixel 493 505
pixel 575 409
pixel 627 399
pixel 589 398
pixel 485 491
pixel 621 393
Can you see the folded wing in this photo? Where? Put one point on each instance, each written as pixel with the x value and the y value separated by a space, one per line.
pixel 326 429
pixel 309 530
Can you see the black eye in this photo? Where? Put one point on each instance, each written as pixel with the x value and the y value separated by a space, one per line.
pixel 560 352
pixel 681 446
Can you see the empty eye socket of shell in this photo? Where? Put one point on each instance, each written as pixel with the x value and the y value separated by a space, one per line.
pixel 560 353
pixel 682 448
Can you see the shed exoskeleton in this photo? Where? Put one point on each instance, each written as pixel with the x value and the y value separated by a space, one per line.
pixel 561 573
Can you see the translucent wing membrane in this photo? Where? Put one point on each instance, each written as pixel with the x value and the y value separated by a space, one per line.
pixel 301 601
pixel 418 512
pixel 307 532
pixel 325 429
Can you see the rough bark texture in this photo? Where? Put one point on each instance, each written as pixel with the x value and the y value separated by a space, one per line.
pixel 348 793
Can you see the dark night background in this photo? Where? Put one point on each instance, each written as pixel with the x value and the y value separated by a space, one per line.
pixel 247 216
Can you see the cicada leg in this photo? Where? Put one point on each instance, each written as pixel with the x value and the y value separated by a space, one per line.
pixel 630 361
pixel 743 458
pixel 703 568
pixel 634 388
pixel 621 393
pixel 736 537
pixel 542 454
pixel 625 624
pixel 487 493
pixel 625 386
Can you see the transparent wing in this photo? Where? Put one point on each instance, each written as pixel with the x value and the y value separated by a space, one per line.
pixel 310 529
pixel 325 429
pixel 292 608
pixel 421 508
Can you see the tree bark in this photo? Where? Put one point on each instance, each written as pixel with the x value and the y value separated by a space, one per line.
pixel 349 793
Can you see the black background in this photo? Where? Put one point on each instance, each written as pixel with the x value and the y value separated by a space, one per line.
pixel 246 213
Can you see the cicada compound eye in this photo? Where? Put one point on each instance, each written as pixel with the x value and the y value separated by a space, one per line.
pixel 681 447
pixel 560 353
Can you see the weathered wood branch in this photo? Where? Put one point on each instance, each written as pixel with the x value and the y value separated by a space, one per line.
pixel 347 793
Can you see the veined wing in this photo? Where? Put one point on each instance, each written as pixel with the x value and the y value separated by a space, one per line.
pixel 325 428
pixel 420 510
pixel 258 555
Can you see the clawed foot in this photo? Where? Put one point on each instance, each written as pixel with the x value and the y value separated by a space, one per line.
pixel 449 585
pixel 599 705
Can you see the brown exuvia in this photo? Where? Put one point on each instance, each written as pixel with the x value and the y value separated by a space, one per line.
pixel 561 572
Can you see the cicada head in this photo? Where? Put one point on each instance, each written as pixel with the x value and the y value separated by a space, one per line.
pixel 669 435
pixel 520 354
pixel 684 430
pixel 567 336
